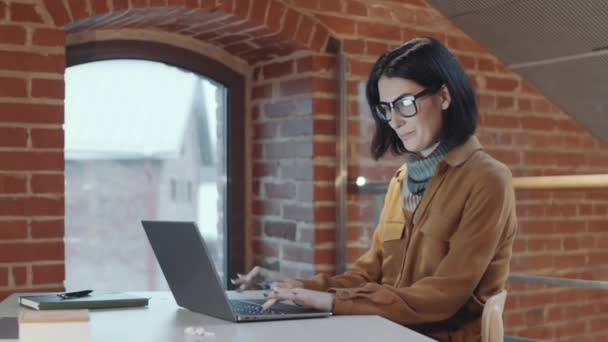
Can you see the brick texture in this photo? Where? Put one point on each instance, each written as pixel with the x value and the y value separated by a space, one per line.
pixel 283 157
pixel 561 233
pixel 290 46
pixel 31 143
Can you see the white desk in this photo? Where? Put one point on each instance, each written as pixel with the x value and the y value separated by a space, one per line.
pixel 164 321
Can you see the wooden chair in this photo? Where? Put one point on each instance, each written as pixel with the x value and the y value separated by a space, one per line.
pixel 491 318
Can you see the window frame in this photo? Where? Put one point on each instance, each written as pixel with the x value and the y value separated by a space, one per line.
pixel 234 240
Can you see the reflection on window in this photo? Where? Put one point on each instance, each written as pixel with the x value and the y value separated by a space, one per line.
pixel 142 140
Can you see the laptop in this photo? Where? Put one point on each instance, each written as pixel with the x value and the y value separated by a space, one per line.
pixel 195 284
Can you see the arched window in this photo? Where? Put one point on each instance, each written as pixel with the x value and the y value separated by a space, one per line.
pixel 149 131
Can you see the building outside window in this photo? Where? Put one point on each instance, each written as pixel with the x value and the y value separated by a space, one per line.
pixel 143 140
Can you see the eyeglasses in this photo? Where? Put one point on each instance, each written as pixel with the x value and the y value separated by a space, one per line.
pixel 404 105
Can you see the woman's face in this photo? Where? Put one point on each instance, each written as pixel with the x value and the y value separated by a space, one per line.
pixel 421 131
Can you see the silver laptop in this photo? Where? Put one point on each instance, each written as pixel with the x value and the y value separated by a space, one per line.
pixel 195 284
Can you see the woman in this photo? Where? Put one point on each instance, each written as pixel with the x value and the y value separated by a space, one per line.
pixel 446 231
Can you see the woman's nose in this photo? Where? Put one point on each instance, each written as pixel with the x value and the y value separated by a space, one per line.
pixel 397 119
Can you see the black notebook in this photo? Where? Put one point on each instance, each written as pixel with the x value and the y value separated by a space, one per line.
pixel 96 300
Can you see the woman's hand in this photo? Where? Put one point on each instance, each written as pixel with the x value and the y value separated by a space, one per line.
pixel 321 301
pixel 264 278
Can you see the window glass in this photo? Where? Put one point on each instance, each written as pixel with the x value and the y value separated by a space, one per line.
pixel 143 140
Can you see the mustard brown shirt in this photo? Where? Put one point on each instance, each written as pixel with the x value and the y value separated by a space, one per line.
pixel 435 275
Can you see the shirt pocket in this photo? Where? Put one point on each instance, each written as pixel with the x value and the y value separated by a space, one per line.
pixel 438 226
pixel 392 231
pixel 434 238
pixel 394 237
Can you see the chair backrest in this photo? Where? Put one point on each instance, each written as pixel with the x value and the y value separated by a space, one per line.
pixel 491 318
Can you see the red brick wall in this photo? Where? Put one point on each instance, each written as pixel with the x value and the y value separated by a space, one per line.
pixel 293 100
pixel 561 233
pixel 294 125
pixel 282 187
pixel 32 63
pixel 31 150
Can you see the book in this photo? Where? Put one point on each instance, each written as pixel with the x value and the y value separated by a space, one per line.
pixel 9 329
pixel 96 300
pixel 54 325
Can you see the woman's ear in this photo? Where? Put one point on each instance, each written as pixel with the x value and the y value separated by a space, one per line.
pixel 446 98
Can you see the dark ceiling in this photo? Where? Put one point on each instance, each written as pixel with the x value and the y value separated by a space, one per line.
pixel 560 46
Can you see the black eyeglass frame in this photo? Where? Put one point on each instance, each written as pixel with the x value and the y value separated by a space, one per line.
pixel 392 106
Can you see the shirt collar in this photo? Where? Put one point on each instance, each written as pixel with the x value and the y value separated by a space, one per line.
pixel 461 153
pixel 456 157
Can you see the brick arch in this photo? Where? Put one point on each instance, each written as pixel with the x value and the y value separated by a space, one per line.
pixel 292 75
pixel 253 30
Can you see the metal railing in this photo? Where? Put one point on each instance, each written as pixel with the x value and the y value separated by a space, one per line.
pixel 580 182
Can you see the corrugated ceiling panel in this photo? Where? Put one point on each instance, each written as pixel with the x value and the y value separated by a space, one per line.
pixel 533 30
pixel 578 86
pixel 552 43
pixel 452 8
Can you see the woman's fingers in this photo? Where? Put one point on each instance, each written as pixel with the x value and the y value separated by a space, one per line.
pixel 246 280
pixel 286 283
pixel 269 303
pixel 276 295
pixel 242 282
pixel 287 294
pixel 280 285
pixel 264 279
pixel 239 279
pixel 303 297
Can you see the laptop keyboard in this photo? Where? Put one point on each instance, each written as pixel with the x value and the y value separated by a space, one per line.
pixel 246 308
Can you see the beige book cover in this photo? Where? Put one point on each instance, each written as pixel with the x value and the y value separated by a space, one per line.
pixel 54 325
pixel 53 316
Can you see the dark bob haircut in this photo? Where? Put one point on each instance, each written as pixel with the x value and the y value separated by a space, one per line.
pixel 428 63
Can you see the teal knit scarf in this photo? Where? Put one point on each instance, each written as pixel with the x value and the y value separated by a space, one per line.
pixel 419 171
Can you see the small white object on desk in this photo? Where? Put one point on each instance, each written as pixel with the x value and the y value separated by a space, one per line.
pixel 198 331
pixel 54 325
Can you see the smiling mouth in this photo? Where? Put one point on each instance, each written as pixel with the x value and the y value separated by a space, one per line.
pixel 407 135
